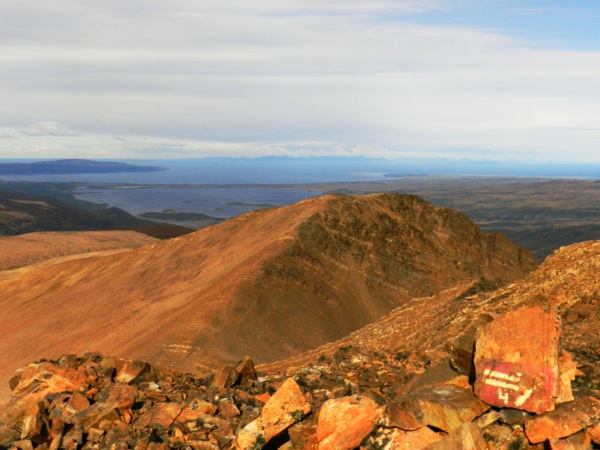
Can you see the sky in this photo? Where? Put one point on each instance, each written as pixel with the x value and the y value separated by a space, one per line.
pixel 133 79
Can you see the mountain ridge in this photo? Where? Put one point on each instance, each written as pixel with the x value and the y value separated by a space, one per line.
pixel 269 283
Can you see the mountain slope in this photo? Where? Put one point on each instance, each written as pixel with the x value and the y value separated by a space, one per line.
pixel 270 283
pixel 24 210
pixel 31 248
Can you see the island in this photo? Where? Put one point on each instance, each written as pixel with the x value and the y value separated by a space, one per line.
pixel 72 166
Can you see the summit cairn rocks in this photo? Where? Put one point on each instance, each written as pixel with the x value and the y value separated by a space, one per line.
pixel 516 361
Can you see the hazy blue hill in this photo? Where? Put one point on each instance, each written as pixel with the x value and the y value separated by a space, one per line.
pixel 72 166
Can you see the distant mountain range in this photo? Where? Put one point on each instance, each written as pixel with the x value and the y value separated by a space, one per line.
pixel 72 166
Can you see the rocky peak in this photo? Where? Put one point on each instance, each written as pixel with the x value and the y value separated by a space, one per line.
pixel 271 283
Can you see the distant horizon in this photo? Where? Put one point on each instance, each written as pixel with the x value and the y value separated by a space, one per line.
pixel 303 169
pixel 387 79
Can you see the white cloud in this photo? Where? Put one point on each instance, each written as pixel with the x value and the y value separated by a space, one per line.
pixel 280 76
pixel 48 129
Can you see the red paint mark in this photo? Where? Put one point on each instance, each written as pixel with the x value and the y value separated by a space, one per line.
pixel 520 386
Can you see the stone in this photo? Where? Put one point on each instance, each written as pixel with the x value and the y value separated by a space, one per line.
pixel 418 439
pixel 444 407
pixel 252 436
pixel 516 360
pixel 37 381
pixel 196 409
pixel 33 422
pixel 108 406
pixel 161 414
pixel 23 444
pixel 95 434
pixel 594 433
pixel 228 409
pixel 488 419
pixel 8 434
pixel 567 372
pixel 287 406
pixel 53 378
pixel 226 377
pixel 344 422
pixel 462 349
pixel 512 416
pixel 129 370
pixel 246 372
pixel 559 444
pixel 66 405
pixel 565 420
pixel 467 437
pixel 301 432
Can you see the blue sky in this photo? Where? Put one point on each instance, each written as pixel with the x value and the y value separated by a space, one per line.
pixel 485 80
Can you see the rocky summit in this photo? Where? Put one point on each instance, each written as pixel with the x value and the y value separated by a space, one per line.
pixel 353 398
pixel 271 284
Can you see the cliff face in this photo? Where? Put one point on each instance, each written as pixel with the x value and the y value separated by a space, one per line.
pixel 270 283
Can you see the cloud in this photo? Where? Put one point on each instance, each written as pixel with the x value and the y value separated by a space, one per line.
pixel 48 129
pixel 296 76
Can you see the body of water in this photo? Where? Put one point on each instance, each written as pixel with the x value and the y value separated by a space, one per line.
pixel 221 199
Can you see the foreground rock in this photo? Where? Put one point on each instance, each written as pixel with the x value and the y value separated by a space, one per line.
pixel 351 400
pixel 516 361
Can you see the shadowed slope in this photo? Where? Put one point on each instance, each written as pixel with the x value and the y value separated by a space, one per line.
pixel 566 281
pixel 270 283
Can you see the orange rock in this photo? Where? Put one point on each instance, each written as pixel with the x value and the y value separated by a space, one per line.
pixel 287 406
pixel 467 437
pixel 344 422
pixel 415 440
pixel 565 420
pixel 263 398
pixel 196 409
pixel 444 407
pixel 224 378
pixel 113 399
pixel 568 372
pixel 245 370
pixel 559 444
pixel 47 377
pixel 129 370
pixel 228 409
pixel 594 433
pixel 516 361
